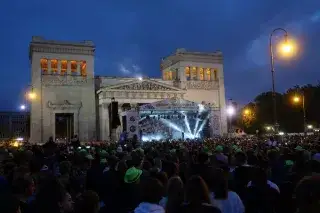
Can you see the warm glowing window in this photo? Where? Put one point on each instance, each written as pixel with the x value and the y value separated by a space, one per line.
pixel 201 74
pixel 73 66
pixel 44 65
pixel 194 73
pixel 83 66
pixel 64 67
pixel 54 66
pixel 166 75
pixel 208 72
pixel 187 72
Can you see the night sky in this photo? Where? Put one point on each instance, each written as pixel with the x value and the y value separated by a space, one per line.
pixel 131 36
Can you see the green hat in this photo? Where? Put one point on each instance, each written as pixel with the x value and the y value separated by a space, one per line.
pixel 103 160
pixel 89 157
pixel 132 175
pixel 140 150
pixel 299 148
pixel 83 151
pixel 219 148
pixel 238 150
pixel 289 163
pixel 103 153
pixel 234 147
pixel 205 149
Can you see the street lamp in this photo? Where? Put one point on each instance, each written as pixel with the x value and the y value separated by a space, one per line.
pixel 230 110
pixel 246 112
pixel 23 107
pixel 297 99
pixel 230 113
pixel 31 95
pixel 286 48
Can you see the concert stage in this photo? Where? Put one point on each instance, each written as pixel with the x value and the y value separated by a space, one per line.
pixel 169 119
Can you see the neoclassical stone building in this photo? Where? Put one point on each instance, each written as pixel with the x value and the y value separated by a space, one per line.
pixel 71 100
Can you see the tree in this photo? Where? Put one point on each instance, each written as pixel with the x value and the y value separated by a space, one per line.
pixel 289 114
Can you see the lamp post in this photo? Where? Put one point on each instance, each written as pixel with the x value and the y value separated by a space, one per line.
pixel 286 48
pixel 297 99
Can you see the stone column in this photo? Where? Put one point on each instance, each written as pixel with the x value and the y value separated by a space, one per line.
pixel 212 74
pixel 104 122
pixel 78 67
pixel 208 76
pixel 59 67
pixel 198 73
pixel 68 67
pixel 164 74
pixel 49 66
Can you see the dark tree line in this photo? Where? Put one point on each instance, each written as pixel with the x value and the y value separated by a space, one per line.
pixel 258 114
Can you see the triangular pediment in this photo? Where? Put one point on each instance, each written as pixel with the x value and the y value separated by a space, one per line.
pixel 172 104
pixel 149 85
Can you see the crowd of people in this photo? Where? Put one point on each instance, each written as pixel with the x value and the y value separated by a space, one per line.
pixel 217 175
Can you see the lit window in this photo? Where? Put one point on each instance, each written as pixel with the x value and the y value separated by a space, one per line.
pixel 201 74
pixel 44 65
pixel 166 75
pixel 208 72
pixel 194 73
pixel 54 66
pixel 83 67
pixel 64 67
pixel 187 73
pixel 74 67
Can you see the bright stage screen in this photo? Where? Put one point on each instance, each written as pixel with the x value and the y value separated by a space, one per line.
pixel 164 125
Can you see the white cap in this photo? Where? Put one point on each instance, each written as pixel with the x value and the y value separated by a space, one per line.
pixel 119 149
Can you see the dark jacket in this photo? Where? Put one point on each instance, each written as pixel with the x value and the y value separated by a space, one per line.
pixel 202 208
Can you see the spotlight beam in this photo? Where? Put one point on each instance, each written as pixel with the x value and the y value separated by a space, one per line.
pixel 202 125
pixel 186 122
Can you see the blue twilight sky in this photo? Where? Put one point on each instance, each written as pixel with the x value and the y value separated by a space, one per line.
pixel 132 35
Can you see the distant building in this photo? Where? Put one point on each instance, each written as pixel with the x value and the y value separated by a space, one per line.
pixel 14 124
